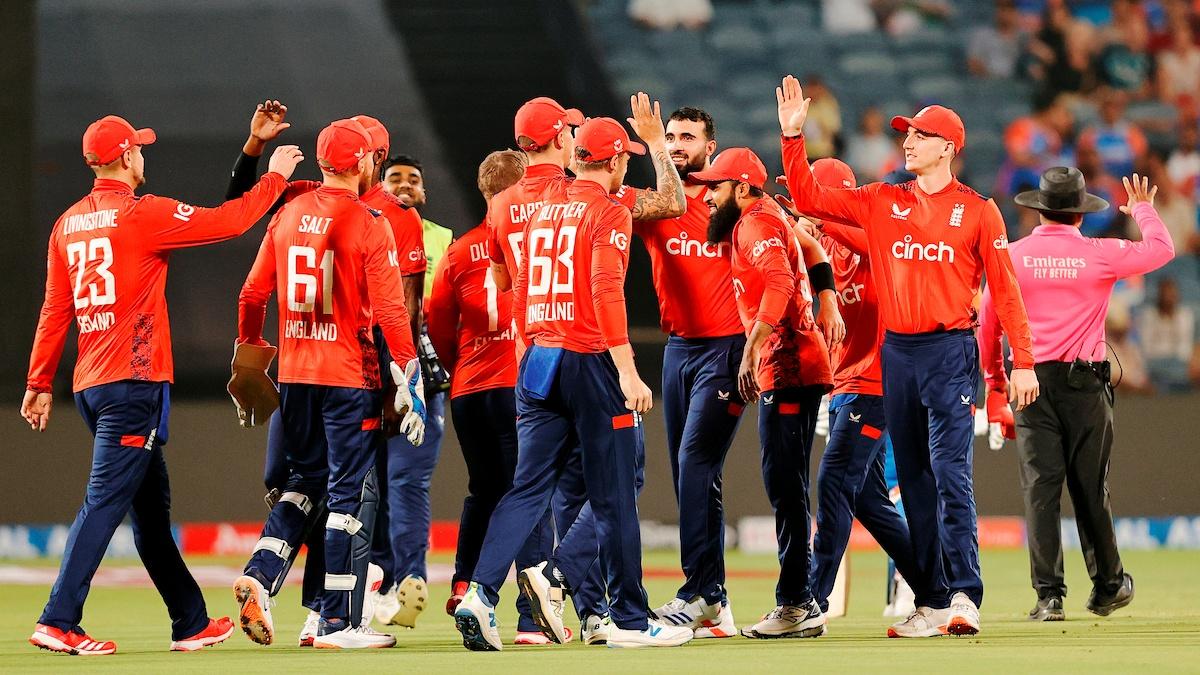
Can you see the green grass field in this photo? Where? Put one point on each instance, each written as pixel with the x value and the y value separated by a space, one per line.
pixel 1159 632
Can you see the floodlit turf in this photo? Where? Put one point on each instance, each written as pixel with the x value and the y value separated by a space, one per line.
pixel 1158 633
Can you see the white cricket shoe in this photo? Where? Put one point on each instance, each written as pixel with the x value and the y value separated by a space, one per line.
pixel 412 595
pixel 963 615
pixel 689 614
pixel 904 601
pixel 476 620
pixel 386 606
pixel 373 594
pixel 546 600
pixel 312 623
pixel 721 627
pixel 789 621
pixel 594 630
pixel 255 612
pixel 656 634
pixel 923 622
pixel 350 637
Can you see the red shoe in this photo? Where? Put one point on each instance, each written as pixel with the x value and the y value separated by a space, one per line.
pixel 457 591
pixel 69 642
pixel 217 631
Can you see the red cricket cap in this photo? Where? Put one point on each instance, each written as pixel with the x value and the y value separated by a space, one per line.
pixel 937 120
pixel 739 164
pixel 375 131
pixel 107 137
pixel 541 119
pixel 834 173
pixel 604 137
pixel 341 144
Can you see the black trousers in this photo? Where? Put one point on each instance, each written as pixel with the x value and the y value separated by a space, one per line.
pixel 1066 436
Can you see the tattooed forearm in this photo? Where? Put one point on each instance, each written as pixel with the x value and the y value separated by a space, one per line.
pixel 667 199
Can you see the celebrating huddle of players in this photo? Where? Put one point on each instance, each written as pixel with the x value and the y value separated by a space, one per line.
pixel 841 290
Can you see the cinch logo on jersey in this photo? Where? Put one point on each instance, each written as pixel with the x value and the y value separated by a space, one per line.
pixel 685 246
pixel 1000 242
pixel 86 222
pixel 911 250
pixel 304 330
pixel 762 245
pixel 899 213
pixel 851 294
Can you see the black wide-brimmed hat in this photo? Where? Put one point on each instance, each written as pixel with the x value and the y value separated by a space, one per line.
pixel 1061 190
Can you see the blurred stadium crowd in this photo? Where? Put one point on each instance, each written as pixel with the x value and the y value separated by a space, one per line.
pixel 1112 87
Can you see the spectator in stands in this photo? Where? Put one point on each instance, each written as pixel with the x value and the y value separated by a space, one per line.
pixel 1060 53
pixel 823 128
pixel 1123 61
pixel 1121 144
pixel 844 17
pixel 1034 143
pixel 1109 222
pixel 1130 371
pixel 1184 163
pixel 872 150
pixel 904 17
pixel 1177 208
pixel 671 14
pixel 1179 67
pixel 993 51
pixel 1167 331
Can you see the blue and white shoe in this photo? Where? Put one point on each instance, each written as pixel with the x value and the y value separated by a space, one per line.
pixel 546 600
pixel 689 614
pixel 656 634
pixel 476 620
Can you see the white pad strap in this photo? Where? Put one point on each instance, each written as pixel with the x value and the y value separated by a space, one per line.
pixel 300 501
pixel 340 582
pixel 274 545
pixel 344 522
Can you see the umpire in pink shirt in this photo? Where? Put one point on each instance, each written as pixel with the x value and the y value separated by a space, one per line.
pixel 1066 280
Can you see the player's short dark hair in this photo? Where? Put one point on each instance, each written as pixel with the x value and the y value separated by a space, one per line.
pixel 755 192
pixel 689 114
pixel 402 160
pixel 1062 218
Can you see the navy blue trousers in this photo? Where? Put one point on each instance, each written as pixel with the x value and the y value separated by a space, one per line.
pixel 486 426
pixel 576 402
pixel 787 421
pixel 331 436
pixel 929 384
pixel 701 409
pixel 128 421
pixel 405 472
pixel 850 484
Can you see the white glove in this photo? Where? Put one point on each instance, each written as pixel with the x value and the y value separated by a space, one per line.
pixel 823 417
pixel 995 436
pixel 410 400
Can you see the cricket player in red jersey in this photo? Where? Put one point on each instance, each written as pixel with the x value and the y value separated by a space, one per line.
pixel 930 241
pixel 470 324
pixel 701 406
pixel 106 272
pixel 850 482
pixel 577 386
pixel 786 360
pixel 337 263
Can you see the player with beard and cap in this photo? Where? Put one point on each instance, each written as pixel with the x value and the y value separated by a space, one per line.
pixel 701 406
pixel 784 366
pixel 930 241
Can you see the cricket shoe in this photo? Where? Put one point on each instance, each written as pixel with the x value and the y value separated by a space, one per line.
pixel 721 627
pixel 963 615
pixel 75 643
pixel 689 614
pixel 923 622
pixel 1048 609
pixel 546 600
pixel 1103 604
pixel 312 623
pixel 345 636
pixel 457 591
pixel 216 632
pixel 373 593
pixel 475 619
pixel 904 601
pixel 255 612
pixel 412 595
pixel 655 634
pixel 594 630
pixel 536 638
pixel 386 606
pixel 789 621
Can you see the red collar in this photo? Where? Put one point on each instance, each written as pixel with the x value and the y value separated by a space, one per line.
pixel 111 185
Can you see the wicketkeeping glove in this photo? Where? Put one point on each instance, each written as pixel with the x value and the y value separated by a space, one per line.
pixel 252 390
pixel 1001 424
pixel 410 399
